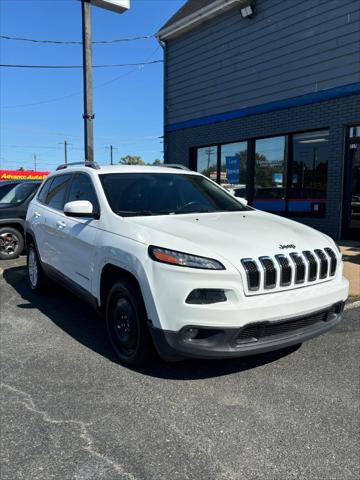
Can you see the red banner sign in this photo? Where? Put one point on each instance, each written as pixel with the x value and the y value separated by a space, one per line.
pixel 22 175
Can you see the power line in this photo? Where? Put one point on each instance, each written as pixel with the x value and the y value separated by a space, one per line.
pixel 80 66
pixel 76 42
pixel 100 85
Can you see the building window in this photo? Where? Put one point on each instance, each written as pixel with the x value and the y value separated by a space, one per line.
pixel 233 171
pixel 207 161
pixel 285 174
pixel 270 182
pixel 307 193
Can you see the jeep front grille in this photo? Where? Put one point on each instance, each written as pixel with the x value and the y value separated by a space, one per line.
pixel 296 269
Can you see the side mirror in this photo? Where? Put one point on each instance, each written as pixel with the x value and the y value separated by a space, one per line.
pixel 80 208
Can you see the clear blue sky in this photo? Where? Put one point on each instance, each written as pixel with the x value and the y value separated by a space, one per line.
pixel 128 110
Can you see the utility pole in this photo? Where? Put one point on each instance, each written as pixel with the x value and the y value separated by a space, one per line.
pixel 111 148
pixel 65 151
pixel 35 162
pixel 87 75
pixel 66 144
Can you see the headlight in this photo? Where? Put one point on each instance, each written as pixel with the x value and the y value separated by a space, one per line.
pixel 180 259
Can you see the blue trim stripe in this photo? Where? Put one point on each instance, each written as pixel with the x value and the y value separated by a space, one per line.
pixel 307 99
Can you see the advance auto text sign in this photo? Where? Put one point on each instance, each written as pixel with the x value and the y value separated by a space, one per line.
pixel 22 175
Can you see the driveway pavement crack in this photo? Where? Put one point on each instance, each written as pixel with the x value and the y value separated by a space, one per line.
pixel 88 444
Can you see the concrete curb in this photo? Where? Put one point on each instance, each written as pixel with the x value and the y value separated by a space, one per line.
pixel 350 306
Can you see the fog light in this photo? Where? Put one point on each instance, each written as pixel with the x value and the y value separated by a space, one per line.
pixel 190 333
pixel 203 296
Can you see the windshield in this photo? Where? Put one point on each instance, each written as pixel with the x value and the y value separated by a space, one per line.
pixel 19 193
pixel 135 194
pixel 5 188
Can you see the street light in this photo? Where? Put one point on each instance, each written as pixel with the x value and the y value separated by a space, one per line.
pixel 118 6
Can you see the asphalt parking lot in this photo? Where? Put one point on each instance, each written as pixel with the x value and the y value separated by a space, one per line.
pixel 69 411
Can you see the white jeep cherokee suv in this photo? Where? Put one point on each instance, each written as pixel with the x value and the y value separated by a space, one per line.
pixel 175 262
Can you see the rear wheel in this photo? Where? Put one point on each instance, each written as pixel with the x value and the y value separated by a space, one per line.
pixel 126 325
pixel 11 243
pixel 36 276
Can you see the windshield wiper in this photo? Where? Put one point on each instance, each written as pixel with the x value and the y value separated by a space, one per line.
pixel 133 213
pixel 195 210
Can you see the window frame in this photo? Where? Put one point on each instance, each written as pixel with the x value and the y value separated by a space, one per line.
pixel 74 175
pixel 47 181
pixel 250 168
pixel 67 174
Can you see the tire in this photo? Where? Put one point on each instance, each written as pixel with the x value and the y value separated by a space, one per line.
pixel 36 277
pixel 11 243
pixel 126 325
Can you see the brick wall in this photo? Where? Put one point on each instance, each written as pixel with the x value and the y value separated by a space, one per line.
pixel 333 114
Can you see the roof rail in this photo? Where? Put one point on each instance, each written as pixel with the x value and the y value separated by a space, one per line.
pixel 175 165
pixel 87 163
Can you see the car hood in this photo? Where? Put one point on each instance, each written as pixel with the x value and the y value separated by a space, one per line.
pixel 231 235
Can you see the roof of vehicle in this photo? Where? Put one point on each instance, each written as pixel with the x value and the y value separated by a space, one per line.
pixel 126 169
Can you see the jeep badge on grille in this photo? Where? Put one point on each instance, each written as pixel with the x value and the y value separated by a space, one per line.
pixel 290 245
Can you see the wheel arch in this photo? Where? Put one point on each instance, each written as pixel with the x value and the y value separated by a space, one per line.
pixel 18 224
pixel 109 274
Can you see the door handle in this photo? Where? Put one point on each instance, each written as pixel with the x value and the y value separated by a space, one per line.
pixel 61 224
pixel 37 214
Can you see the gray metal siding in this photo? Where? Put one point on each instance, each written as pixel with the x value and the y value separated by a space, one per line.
pixel 290 48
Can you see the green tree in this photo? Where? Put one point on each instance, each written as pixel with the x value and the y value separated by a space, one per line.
pixel 157 161
pixel 21 169
pixel 132 160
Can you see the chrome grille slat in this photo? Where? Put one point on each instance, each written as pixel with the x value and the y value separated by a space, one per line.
pixel 312 264
pixel 252 273
pixel 323 263
pixel 270 273
pixel 333 261
pixel 285 270
pixel 299 267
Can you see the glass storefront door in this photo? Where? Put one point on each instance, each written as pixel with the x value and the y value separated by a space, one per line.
pixel 351 212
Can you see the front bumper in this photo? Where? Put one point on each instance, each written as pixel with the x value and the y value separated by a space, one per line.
pixel 251 339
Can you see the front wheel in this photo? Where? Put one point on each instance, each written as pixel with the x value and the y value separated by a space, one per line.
pixel 11 243
pixel 126 325
pixel 36 275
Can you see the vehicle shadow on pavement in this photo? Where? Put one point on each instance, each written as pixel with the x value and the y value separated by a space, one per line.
pixel 83 324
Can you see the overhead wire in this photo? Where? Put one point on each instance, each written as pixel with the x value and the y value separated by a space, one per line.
pixel 108 82
pixel 77 42
pixel 115 65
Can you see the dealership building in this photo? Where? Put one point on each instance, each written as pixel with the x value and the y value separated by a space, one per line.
pixel 264 98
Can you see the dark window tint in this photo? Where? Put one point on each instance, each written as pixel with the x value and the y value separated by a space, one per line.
pixel 20 193
pixel 5 188
pixel 44 190
pixel 56 195
pixel 309 172
pixel 163 194
pixel 83 189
